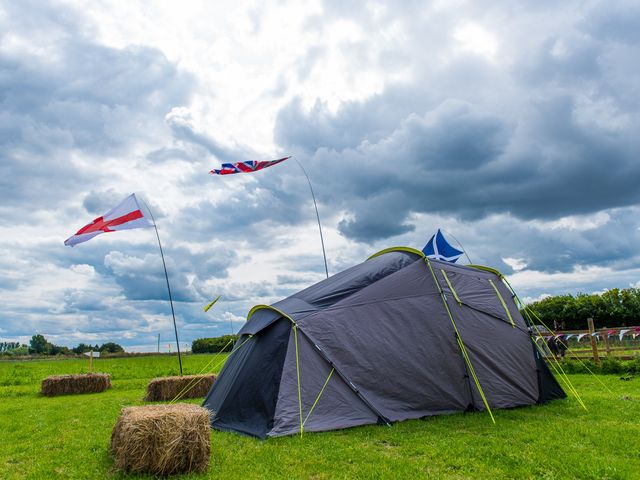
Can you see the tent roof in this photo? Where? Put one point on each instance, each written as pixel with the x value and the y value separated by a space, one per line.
pixel 341 285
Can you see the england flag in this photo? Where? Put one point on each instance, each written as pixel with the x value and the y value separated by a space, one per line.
pixel 125 216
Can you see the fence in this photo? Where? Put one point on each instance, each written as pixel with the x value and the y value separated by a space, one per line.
pixel 590 344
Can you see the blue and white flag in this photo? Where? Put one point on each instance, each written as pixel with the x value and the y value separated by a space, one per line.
pixel 439 249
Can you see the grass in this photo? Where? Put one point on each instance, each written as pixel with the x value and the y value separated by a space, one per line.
pixel 67 437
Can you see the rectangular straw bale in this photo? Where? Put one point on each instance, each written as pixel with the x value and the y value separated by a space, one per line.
pixel 74 384
pixel 188 386
pixel 162 439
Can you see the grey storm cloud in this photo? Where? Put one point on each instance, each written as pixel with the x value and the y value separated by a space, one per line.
pixel 80 98
pixel 141 275
pixel 567 145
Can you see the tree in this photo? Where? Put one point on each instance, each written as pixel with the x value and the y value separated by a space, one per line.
pixel 612 308
pixel 58 350
pixel 111 347
pixel 214 345
pixel 39 345
pixel 82 348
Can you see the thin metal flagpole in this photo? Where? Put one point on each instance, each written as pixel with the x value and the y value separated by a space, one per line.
pixel 317 216
pixel 463 249
pixel 166 276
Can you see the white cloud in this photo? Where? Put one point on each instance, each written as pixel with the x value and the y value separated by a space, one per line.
pixel 516 264
pixel 474 38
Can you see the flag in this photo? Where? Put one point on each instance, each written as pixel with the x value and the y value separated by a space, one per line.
pixel 125 216
pixel 439 249
pixel 206 309
pixel 245 167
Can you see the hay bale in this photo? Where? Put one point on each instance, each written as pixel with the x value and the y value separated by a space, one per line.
pixel 162 439
pixel 74 384
pixel 189 386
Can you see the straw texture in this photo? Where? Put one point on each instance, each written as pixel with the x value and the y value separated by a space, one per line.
pixel 162 439
pixel 188 386
pixel 74 384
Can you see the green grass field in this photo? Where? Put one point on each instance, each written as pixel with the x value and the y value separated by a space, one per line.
pixel 68 437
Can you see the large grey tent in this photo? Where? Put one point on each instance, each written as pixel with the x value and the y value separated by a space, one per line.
pixel 393 338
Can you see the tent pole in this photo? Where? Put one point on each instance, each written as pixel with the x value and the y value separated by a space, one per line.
pixel 166 276
pixel 326 269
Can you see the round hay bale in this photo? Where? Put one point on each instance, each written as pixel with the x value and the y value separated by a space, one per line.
pixel 187 386
pixel 74 384
pixel 162 439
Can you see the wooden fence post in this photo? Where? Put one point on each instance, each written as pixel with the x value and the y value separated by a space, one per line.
pixel 607 347
pixel 594 347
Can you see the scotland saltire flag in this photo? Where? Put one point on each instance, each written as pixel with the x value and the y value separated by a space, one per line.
pixel 245 167
pixel 439 249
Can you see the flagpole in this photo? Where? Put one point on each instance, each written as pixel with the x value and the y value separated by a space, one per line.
pixel 463 249
pixel 166 276
pixel 326 269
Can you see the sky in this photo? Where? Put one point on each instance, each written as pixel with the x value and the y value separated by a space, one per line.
pixel 513 126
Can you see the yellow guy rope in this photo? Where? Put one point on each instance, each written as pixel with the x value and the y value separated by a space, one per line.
pixel 460 344
pixel 455 295
pixel 195 381
pixel 557 368
pixel 295 337
pixel 504 305
pixel 575 357
pixel 318 397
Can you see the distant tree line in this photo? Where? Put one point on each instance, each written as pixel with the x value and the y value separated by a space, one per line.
pixel 613 308
pixel 214 345
pixel 39 345
pixel 13 348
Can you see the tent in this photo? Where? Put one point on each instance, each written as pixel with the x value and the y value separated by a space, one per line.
pixel 396 337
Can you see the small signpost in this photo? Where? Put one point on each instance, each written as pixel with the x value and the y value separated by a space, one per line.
pixel 91 354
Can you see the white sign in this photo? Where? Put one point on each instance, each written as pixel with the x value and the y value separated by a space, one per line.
pixel 95 354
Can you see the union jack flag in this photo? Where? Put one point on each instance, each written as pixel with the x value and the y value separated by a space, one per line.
pixel 245 167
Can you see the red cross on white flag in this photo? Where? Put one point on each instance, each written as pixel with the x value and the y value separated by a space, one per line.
pixel 125 216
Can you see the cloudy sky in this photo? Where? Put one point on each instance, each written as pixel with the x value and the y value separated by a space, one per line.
pixel 511 125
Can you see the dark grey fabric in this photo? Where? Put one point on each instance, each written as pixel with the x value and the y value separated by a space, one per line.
pixel 292 306
pixel 338 407
pixel 474 289
pixel 501 357
pixel 340 286
pixel 548 386
pixel 227 377
pixel 248 405
pixel 260 320
pixel 400 352
pixel 384 326
pixel 499 353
